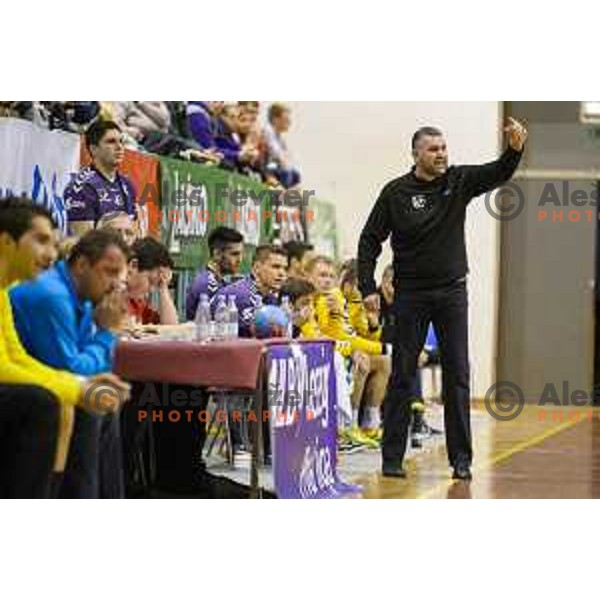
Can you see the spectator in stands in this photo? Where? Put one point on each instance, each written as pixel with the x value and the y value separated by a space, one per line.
pixel 99 188
pixel 251 135
pixel 202 119
pixel 67 319
pixel 36 401
pixel 300 254
pixel 259 288
pixel 225 249
pixel 235 154
pixel 71 116
pixel 370 366
pixel 173 140
pixel 279 162
pixel 150 268
pixel 119 221
pixel 140 119
pixel 34 111
pixel 247 127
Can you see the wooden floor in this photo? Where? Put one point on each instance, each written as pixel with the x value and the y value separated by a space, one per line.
pixel 557 456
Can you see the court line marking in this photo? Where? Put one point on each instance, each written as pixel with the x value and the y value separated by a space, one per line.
pixel 505 455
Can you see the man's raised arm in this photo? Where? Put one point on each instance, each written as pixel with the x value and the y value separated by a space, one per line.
pixel 481 179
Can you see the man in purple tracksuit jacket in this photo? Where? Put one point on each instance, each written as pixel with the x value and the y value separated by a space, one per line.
pixel 262 286
pixel 99 189
pixel 225 247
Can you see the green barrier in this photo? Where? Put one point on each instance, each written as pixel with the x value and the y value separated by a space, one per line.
pixel 196 199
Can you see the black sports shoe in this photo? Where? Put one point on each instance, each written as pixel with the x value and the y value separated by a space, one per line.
pixel 416 441
pixel 462 471
pixel 393 470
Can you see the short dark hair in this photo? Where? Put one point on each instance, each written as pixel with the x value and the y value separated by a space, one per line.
pixel 96 131
pixel 221 237
pixel 264 252
pixel 297 288
pixel 150 254
pixel 94 244
pixel 17 214
pixel 423 132
pixel 297 250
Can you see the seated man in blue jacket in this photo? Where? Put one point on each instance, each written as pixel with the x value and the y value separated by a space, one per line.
pixel 66 318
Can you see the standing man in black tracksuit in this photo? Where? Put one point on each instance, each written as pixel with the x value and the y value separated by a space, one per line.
pixel 424 211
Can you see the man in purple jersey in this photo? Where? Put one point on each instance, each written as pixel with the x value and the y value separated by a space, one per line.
pixel 225 248
pixel 99 188
pixel 262 286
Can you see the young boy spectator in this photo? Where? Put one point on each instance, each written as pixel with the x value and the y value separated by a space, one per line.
pixel 99 188
pixel 279 163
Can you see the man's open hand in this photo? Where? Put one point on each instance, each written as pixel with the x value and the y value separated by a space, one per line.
pixel 516 133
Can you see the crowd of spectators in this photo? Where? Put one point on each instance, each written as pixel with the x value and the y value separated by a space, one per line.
pixel 231 135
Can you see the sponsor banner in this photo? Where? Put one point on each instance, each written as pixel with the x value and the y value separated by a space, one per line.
pixel 303 404
pixel 37 163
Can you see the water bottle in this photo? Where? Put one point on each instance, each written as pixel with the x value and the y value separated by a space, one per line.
pixel 221 319
pixel 287 309
pixel 203 319
pixel 233 319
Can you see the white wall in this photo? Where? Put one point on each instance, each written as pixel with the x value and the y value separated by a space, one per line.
pixel 348 150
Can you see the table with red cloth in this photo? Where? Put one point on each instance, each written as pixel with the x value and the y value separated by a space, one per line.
pixel 237 365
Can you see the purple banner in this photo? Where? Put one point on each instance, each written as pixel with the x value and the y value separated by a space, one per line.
pixel 303 403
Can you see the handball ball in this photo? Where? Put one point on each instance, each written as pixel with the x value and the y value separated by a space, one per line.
pixel 270 322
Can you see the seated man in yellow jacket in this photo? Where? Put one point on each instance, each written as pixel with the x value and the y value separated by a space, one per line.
pixel 371 365
pixel 36 402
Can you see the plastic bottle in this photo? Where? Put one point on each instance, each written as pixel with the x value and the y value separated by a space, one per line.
pixel 233 319
pixel 221 319
pixel 203 319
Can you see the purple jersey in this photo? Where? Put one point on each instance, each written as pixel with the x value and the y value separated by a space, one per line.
pixel 206 282
pixel 89 195
pixel 247 299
